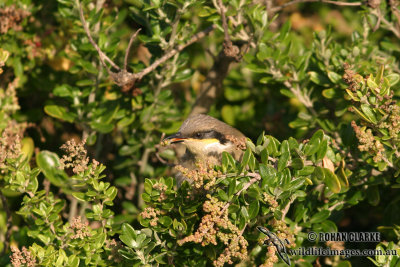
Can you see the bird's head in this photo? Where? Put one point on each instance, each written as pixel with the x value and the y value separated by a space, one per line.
pixel 205 136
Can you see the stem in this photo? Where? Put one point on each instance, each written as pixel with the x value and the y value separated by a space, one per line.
pixel 256 178
pixel 338 3
pixel 8 223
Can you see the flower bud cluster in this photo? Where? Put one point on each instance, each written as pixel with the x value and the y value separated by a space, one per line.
pixel 387 125
pixel 351 78
pixel 204 176
pixel 11 18
pixel 10 142
pixel 271 201
pixel 368 143
pixel 161 188
pixel 79 228
pixel 22 258
pixel 150 213
pixel 271 257
pixel 238 142
pixel 392 122
pixel 76 157
pixel 114 246
pixel 8 98
pixel 215 225
pixel 283 231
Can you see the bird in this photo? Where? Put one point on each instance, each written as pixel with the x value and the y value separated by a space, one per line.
pixel 204 139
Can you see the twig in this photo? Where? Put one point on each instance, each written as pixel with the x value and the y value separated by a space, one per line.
pixel 211 88
pixel 73 208
pixel 301 96
pixel 222 10
pixel 101 54
pixel 9 223
pixel 229 49
pixel 129 48
pixel 173 52
pixel 286 209
pixel 338 3
pixel 378 23
pixel 157 147
pixel 123 77
pixel 337 204
pixel 256 178
pixel 389 25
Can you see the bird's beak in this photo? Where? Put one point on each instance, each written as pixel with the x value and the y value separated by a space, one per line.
pixel 173 139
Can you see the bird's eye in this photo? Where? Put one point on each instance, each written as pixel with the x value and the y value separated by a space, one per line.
pixel 198 135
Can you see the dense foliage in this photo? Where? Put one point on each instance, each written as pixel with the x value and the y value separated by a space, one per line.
pixel 86 98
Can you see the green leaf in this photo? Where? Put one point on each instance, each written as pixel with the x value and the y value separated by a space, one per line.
pixel 227 161
pixel 252 162
pixel 369 113
pixel 313 145
pixel 393 78
pixel 285 156
pixel 246 158
pixel 331 181
pixel 307 170
pixel 232 188
pixel 268 175
pixel 318 78
pixel 372 84
pixel 63 91
pixel 79 196
pixel 380 257
pixel 297 163
pixel 49 163
pixel 148 186
pixel 361 114
pixel 283 160
pixel 111 192
pixel 102 127
pixel 244 213
pixel 320 216
pixel 73 261
pixel 166 221
pixel 128 235
pixel 323 148
pixel 379 75
pixel 222 195
pixel 85 82
pixel 264 155
pixel 59 113
pixel 254 208
pixel 334 77
pixel 373 195
pixel 125 121
pixel 329 93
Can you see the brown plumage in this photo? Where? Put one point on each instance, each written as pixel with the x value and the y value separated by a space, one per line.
pixel 205 138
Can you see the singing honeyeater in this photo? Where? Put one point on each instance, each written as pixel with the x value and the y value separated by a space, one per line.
pixel 205 138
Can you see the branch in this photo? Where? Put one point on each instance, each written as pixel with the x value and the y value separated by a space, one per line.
pixel 388 24
pixel 129 48
pixel 335 205
pixel 286 209
pixel 101 54
pixel 230 50
pixel 173 52
pixel 256 178
pixel 211 88
pixel 9 223
pixel 338 3
pixel 123 77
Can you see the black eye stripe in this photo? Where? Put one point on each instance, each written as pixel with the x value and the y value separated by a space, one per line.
pixel 210 134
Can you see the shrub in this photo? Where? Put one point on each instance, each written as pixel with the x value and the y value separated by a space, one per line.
pixel 89 82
